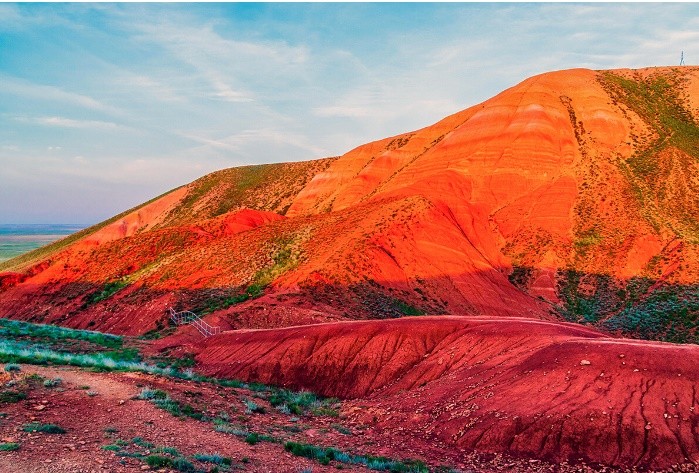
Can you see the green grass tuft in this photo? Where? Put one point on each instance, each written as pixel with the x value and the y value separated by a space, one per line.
pixel 9 446
pixel 43 428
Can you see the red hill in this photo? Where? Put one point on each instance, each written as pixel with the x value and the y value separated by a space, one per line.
pixel 571 197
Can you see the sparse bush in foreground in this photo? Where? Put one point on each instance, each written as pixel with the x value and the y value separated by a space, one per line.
pixel 213 458
pixel 167 450
pixel 149 394
pixel 158 461
pixel 52 383
pixel 9 446
pixel 43 428
pixel 10 397
pixel 324 455
pixel 182 464
pixel 251 407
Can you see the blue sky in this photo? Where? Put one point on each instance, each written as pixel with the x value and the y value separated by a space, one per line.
pixel 103 106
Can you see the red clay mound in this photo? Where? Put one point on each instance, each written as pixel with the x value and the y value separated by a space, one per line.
pixel 240 221
pixel 526 387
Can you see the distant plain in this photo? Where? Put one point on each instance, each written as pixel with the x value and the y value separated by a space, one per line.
pixel 16 239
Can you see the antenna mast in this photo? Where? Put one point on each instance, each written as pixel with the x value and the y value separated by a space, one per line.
pixel 682 59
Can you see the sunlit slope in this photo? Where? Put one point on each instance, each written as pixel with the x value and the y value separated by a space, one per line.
pixel 571 195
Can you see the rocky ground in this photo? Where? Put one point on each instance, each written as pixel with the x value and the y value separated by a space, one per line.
pixel 107 428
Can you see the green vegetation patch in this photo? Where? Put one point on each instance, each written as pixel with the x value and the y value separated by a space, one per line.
pixel 638 308
pixel 324 455
pixel 406 309
pixel 296 403
pixel 19 329
pixel 158 461
pixel 120 360
pixel 670 313
pixel 11 396
pixel 213 458
pixel 43 428
pixel 658 100
pixel 107 291
pixel 9 446
pixel 286 256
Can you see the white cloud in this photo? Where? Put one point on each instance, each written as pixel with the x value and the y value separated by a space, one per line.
pixel 247 140
pixel 226 65
pixel 342 111
pixel 15 86
pixel 71 123
pixel 10 15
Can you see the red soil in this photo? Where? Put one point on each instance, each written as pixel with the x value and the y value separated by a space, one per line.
pixel 533 388
pixel 431 221
pixel 434 219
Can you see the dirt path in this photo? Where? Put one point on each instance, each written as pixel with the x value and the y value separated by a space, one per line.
pixel 98 409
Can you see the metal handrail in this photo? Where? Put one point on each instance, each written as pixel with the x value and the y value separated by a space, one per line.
pixel 187 317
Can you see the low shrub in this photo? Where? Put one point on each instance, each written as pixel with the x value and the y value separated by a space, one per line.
pixel 213 458
pixel 251 407
pixel 52 383
pixel 149 394
pixel 182 464
pixel 43 428
pixel 324 455
pixel 158 461
pixel 8 446
pixel 11 396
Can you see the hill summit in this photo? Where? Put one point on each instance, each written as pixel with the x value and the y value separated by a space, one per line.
pixel 572 195
pixel 486 239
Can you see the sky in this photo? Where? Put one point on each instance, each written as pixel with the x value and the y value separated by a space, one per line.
pixel 104 106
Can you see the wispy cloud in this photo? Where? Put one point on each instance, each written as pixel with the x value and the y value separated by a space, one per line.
pixel 223 63
pixel 71 123
pixel 246 140
pixel 206 86
pixel 18 87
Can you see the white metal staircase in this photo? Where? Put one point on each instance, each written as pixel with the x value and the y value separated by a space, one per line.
pixel 187 317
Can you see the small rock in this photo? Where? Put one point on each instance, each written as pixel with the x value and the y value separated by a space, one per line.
pixel 145 467
pixel 585 362
pixel 648 427
pixel 39 407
